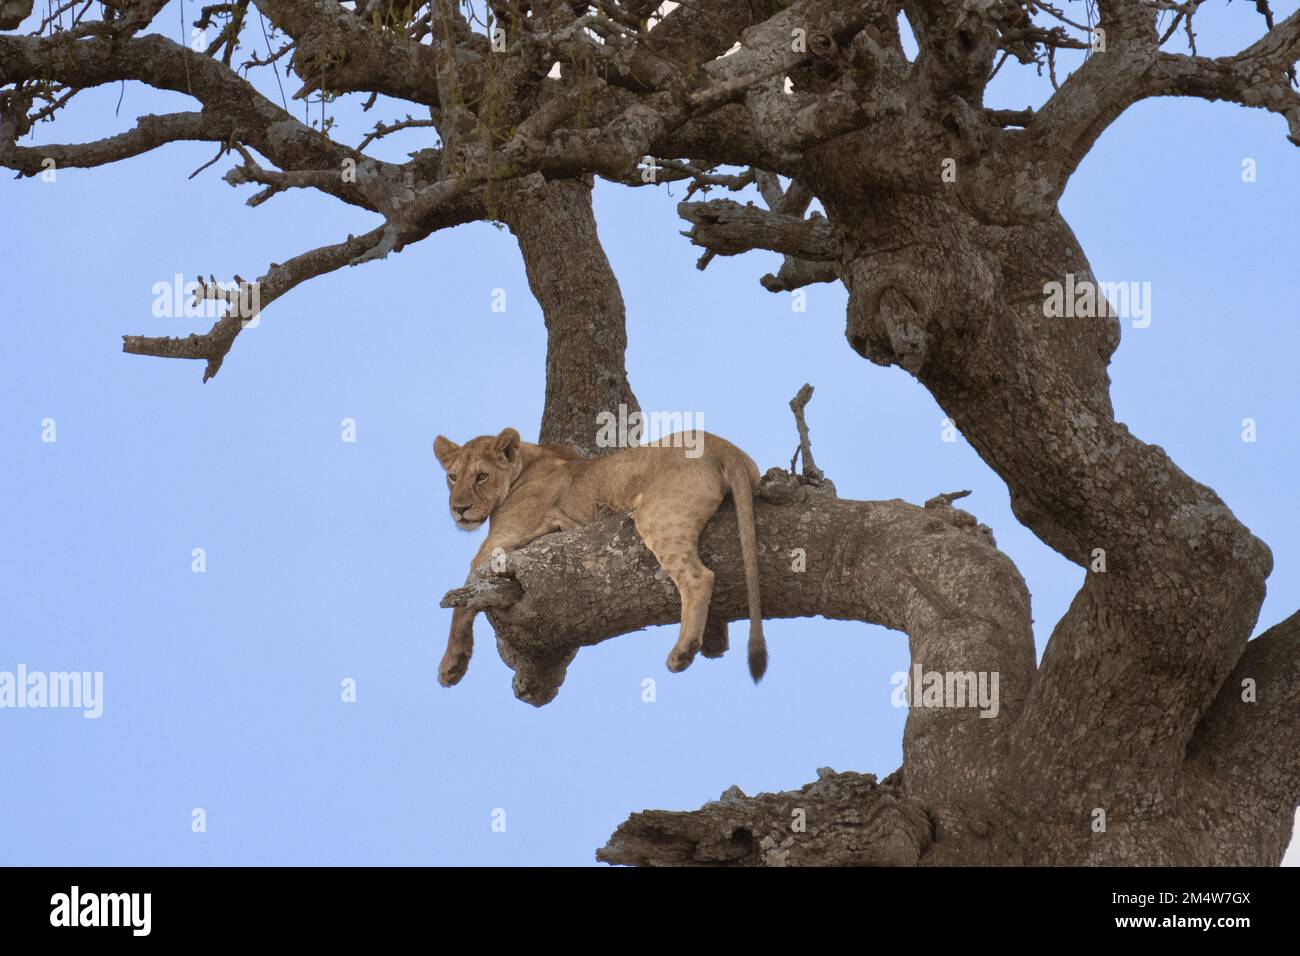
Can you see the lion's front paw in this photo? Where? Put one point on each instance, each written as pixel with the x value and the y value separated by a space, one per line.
pixel 453 667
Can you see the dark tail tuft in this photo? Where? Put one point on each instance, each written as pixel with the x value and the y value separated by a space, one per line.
pixel 757 658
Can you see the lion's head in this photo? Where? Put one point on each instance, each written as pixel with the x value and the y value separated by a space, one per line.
pixel 479 474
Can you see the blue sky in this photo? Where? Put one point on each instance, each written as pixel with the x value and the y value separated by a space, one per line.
pixel 326 560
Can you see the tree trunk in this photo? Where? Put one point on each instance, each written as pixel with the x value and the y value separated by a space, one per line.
pixel 586 333
pixel 1113 759
pixel 1151 731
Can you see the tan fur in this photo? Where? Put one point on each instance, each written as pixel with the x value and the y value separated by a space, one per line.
pixel 530 490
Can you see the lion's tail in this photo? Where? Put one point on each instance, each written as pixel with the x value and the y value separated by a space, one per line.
pixel 742 477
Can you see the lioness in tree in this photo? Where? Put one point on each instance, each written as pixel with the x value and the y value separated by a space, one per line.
pixel 530 490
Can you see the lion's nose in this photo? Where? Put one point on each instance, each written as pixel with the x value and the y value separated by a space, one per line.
pixel 460 512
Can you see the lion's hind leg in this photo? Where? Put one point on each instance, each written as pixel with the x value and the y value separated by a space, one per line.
pixel 673 536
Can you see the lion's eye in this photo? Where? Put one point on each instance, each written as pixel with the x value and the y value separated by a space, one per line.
pixel 451 478
pixel 482 477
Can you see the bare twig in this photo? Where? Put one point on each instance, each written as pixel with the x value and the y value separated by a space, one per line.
pixel 797 404
pixel 946 499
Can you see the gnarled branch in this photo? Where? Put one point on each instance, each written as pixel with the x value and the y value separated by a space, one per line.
pixel 933 573
pixel 842 819
pixel 727 228
pixel 1249 735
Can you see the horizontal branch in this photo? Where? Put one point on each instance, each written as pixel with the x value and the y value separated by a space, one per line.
pixel 1063 131
pixel 797 273
pixel 386 62
pixel 1261 76
pixel 14 12
pixel 690 34
pixel 843 819
pixel 149 132
pixel 240 113
pixel 728 228
pixel 213 345
pixel 933 573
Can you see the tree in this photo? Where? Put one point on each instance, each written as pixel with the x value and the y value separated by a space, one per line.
pixel 1151 714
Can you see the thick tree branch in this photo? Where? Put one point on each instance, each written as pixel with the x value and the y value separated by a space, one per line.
pixel 149 133
pixel 690 35
pixel 933 573
pixel 963 308
pixel 727 228
pixel 792 201
pixel 1261 76
pixel 340 51
pixel 1249 735
pixel 1094 96
pixel 235 106
pixel 586 332
pixel 843 819
pixel 14 12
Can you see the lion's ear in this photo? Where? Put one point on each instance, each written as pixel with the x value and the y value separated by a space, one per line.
pixel 444 449
pixel 507 444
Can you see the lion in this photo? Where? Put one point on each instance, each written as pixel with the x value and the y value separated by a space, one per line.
pixel 528 490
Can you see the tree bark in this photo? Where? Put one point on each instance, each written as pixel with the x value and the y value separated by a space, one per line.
pixel 843 819
pixel 1118 755
pixel 1152 731
pixel 586 332
pixel 932 572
